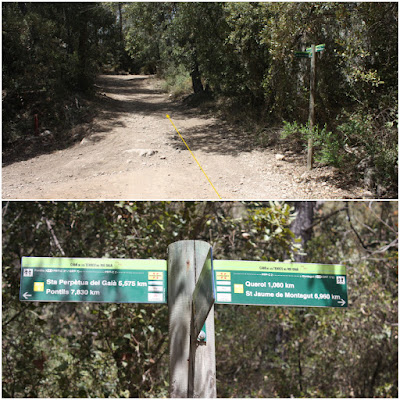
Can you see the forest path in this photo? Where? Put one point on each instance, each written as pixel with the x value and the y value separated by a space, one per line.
pixel 133 152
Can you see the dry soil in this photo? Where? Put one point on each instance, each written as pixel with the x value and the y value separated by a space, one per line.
pixel 132 151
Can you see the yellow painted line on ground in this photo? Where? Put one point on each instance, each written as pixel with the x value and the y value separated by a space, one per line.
pixel 183 140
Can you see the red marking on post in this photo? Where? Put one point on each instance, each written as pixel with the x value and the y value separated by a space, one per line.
pixel 36 123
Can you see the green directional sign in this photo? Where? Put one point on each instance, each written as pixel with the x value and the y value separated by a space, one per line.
pixel 308 52
pixel 93 280
pixel 319 47
pixel 280 284
pixel 302 54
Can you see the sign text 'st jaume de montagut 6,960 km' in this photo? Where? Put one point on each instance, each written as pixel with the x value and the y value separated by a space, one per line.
pixel 93 279
pixel 280 284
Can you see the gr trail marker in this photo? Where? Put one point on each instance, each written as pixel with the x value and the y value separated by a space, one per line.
pixel 93 280
pixel 280 284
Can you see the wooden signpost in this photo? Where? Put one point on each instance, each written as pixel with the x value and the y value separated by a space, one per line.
pixel 191 282
pixel 192 367
pixel 311 53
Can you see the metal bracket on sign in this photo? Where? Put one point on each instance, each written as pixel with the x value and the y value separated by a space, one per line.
pixel 202 338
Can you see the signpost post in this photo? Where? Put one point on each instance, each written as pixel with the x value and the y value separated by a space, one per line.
pixel 192 367
pixel 311 53
pixel 195 282
pixel 311 115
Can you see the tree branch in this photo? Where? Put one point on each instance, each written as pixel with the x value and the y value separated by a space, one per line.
pixel 15 316
pixel 53 235
pixel 5 208
pixel 324 218
pixel 380 219
pixel 354 230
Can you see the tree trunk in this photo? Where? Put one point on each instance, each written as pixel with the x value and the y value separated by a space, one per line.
pixel 83 77
pixel 121 35
pixel 195 74
pixel 196 80
pixel 304 219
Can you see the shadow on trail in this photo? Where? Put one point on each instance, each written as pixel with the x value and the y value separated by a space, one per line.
pixel 217 137
pixel 119 96
pixel 128 95
pixel 29 146
pixel 116 95
pixel 35 146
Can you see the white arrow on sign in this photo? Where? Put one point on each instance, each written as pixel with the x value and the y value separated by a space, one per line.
pixel 26 295
pixel 342 302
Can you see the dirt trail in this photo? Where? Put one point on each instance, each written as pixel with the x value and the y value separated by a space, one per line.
pixel 133 152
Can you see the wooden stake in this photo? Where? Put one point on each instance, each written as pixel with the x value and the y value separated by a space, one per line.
pixel 311 117
pixel 192 366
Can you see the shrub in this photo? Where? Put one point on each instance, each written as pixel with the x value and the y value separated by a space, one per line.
pixel 374 138
pixel 177 81
pixel 328 147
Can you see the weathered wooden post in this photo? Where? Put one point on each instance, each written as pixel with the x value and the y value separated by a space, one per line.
pixel 192 366
pixel 311 53
pixel 311 116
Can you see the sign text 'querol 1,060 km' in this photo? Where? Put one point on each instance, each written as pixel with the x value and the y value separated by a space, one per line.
pixel 93 280
pixel 280 284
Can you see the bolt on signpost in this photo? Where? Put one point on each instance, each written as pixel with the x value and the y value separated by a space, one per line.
pixel 191 282
pixel 311 53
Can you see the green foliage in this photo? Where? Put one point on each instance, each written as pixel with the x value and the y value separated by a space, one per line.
pixel 121 350
pixel 371 259
pixel 241 52
pixel 197 31
pixel 329 147
pixel 108 350
pixel 369 137
pixel 50 52
pixel 177 81
pixel 311 352
pixel 358 137
pixel 295 131
pixel 250 55
pixel 273 223
pixel 144 34
pixel 244 54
